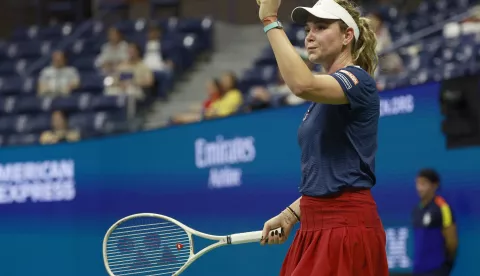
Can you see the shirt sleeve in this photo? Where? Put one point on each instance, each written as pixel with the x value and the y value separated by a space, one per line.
pixel 357 86
pixel 123 53
pixel 100 60
pixel 73 74
pixel 44 74
pixel 446 212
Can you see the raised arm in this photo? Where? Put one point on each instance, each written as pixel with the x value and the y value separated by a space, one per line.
pixel 301 81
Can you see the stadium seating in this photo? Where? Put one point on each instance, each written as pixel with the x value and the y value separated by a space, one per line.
pixel 432 58
pixel 24 115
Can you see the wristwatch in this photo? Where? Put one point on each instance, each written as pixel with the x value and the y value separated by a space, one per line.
pixel 273 25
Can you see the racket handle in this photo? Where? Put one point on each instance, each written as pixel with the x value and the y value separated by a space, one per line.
pixel 247 237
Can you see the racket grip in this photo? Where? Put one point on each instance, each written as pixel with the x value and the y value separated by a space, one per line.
pixel 247 237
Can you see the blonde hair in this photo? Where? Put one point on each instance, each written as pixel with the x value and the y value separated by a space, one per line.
pixel 364 52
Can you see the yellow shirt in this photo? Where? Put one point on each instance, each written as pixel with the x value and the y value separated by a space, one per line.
pixel 226 105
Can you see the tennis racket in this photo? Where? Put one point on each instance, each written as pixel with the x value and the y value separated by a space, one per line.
pixel 152 244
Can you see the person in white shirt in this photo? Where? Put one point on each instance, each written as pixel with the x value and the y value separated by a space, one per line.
pixel 153 51
pixel 58 79
pixel 132 77
pixel 113 53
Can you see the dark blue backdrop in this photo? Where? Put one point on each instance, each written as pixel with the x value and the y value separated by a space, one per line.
pixel 56 202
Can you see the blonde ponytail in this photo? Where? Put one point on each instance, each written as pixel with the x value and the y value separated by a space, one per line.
pixel 364 52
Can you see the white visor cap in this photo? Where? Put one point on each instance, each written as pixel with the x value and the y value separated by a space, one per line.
pixel 325 9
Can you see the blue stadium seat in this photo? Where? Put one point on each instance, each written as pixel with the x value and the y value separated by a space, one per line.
pixel 131 26
pixel 14 67
pixel 92 82
pixel 297 35
pixel 56 32
pixel 95 29
pixel 8 67
pixel 36 33
pixel 84 63
pixel 74 103
pixel 137 38
pixel 277 100
pixel 32 124
pixel 94 122
pixel 81 121
pixel 90 46
pixel 266 57
pixel 102 102
pixel 169 25
pixel 32 105
pixel 24 34
pixel 30 49
pixel 261 75
pixel 14 85
pixel 22 139
pixel 7 105
pixel 191 26
pixel 7 124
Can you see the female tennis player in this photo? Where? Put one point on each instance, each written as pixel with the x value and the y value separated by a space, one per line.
pixel 341 233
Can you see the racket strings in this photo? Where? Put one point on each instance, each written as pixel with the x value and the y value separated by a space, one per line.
pixel 147 246
pixel 128 262
pixel 163 226
pixel 160 234
pixel 165 269
pixel 125 256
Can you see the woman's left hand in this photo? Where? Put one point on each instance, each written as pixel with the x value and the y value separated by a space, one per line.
pixel 268 8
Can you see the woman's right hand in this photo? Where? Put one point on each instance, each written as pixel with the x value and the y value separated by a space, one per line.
pixel 268 8
pixel 285 221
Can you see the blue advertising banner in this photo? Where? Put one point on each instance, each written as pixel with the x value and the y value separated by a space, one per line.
pixel 222 176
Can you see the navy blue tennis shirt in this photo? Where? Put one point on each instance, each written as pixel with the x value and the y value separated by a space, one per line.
pixel 339 142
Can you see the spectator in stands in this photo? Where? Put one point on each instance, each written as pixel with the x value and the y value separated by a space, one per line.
pixel 230 100
pixel 132 77
pixel 279 93
pixel 264 96
pixel 113 53
pixel 214 92
pixel 58 79
pixel 390 63
pixel 60 131
pixel 154 59
pixel 153 51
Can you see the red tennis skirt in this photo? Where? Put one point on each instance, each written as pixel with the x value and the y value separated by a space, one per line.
pixel 340 235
